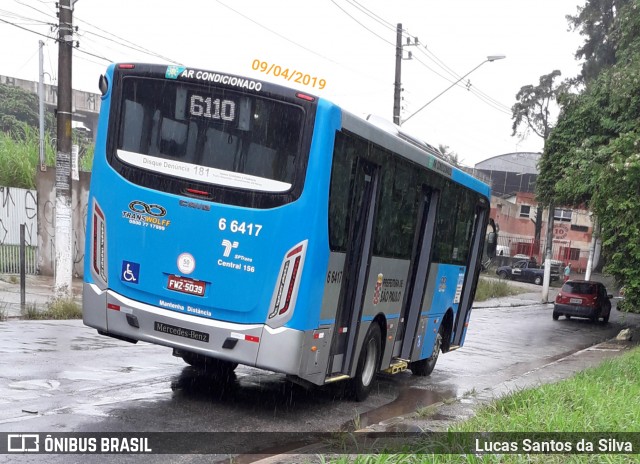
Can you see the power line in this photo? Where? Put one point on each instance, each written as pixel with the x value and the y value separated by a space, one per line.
pixel 276 33
pixel 372 15
pixel 379 36
pixel 85 37
pixel 50 15
pixel 24 28
pixel 138 48
pixel 357 71
pixel 92 54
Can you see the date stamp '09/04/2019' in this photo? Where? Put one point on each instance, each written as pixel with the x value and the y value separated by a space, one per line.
pixel 291 75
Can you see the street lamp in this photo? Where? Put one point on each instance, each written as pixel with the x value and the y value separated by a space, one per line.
pixel 489 58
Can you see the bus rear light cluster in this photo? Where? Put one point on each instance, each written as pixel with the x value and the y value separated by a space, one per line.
pixel 99 244
pixel 286 291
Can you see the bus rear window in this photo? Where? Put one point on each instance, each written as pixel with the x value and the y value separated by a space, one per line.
pixel 209 134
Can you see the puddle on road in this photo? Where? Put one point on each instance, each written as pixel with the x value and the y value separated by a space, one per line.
pixel 409 400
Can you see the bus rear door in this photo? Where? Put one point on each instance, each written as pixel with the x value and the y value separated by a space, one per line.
pixel 420 263
pixel 358 255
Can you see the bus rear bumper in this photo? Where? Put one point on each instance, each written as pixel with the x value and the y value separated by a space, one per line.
pixel 251 344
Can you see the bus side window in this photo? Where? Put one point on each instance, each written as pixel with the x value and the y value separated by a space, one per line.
pixel 342 175
pixel 395 228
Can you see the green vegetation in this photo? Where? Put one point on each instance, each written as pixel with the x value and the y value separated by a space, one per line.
pixel 595 400
pixel 60 308
pixel 18 108
pixel 493 288
pixel 19 157
pixel 599 400
pixel 19 139
pixel 591 157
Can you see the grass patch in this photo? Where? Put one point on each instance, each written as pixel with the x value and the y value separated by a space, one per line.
pixel 603 399
pixel 60 308
pixel 595 400
pixel 30 311
pixel 426 411
pixel 20 156
pixel 492 288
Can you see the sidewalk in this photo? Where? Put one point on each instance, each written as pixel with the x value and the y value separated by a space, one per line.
pixel 523 299
pixel 39 291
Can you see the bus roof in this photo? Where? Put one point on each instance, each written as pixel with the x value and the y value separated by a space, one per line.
pixel 390 136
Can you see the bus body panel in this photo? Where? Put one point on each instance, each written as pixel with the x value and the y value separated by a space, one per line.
pixel 210 278
pixel 239 267
pixel 442 294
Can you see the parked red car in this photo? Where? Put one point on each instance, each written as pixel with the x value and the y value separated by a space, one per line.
pixel 583 298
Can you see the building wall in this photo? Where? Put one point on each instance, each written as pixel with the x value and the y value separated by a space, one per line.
pixel 571 238
pixel 45 185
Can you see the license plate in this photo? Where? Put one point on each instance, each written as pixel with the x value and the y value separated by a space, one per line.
pixel 186 285
pixel 575 300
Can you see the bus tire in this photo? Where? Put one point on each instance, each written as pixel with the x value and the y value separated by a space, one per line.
pixel 425 367
pixel 368 363
pixel 213 366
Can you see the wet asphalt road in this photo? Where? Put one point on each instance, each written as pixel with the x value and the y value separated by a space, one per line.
pixel 60 376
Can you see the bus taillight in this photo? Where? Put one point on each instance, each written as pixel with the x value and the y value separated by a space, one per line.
pixel 286 291
pixel 304 96
pixel 99 244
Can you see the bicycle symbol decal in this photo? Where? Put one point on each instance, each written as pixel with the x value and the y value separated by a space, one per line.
pixel 130 272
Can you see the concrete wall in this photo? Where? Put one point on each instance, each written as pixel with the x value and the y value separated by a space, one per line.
pixel 45 185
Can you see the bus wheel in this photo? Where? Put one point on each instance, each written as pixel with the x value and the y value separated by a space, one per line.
pixel 213 366
pixel 425 367
pixel 368 363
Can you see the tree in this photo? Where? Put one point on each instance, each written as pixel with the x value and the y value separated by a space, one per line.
pixel 17 107
pixel 592 156
pixel 598 21
pixel 532 109
pixel 449 156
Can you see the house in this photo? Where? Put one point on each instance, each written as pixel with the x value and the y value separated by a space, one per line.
pixel 522 224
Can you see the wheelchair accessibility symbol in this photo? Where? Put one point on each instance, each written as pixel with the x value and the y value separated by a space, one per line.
pixel 130 272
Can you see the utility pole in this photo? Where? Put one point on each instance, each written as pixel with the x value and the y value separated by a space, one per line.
pixel 547 256
pixel 41 105
pixel 397 86
pixel 592 248
pixel 63 227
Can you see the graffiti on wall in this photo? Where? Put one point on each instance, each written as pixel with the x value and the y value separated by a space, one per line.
pixel 47 229
pixel 18 206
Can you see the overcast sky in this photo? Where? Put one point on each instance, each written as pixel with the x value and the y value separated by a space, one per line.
pixel 348 43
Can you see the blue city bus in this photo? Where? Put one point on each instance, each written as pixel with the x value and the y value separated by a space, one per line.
pixel 241 222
